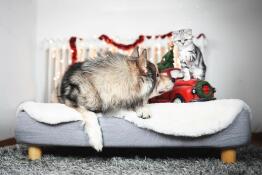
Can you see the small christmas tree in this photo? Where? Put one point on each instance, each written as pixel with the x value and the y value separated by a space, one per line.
pixel 167 61
pixel 170 59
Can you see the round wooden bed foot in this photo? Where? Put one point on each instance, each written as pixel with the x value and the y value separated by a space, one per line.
pixel 34 152
pixel 229 155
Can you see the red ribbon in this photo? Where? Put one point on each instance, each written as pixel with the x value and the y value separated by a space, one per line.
pixel 138 41
pixel 72 43
pixel 108 40
pixel 201 35
pixel 164 36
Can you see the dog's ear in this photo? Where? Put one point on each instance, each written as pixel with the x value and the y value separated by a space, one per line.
pixel 135 53
pixel 142 61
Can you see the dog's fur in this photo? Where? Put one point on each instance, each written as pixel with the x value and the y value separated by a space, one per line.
pixel 111 82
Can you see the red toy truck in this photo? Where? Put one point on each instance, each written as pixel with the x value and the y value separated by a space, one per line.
pixel 186 91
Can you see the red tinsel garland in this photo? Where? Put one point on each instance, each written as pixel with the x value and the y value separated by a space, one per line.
pixel 164 36
pixel 201 35
pixel 108 40
pixel 72 43
pixel 138 41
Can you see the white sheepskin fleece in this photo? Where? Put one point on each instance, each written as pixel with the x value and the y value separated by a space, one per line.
pixel 50 113
pixel 185 119
pixel 188 119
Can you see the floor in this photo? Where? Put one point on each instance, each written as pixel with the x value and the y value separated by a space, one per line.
pixel 57 161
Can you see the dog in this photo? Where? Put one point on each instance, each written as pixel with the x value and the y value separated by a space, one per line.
pixel 111 82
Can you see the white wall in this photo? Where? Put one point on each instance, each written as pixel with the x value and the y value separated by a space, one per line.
pixel 17 48
pixel 232 27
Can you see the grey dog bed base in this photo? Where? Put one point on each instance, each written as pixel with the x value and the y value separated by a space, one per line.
pixel 121 133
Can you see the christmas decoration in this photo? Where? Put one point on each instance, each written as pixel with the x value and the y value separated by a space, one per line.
pixel 138 41
pixel 72 43
pixel 170 60
pixel 167 61
pixel 187 91
pixel 109 40
pixel 204 90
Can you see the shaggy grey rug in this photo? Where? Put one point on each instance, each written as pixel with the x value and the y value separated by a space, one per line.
pixel 60 161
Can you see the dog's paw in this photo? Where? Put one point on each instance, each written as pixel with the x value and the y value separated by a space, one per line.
pixel 143 113
pixel 145 116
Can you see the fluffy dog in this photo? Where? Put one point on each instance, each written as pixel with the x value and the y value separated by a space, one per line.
pixel 111 82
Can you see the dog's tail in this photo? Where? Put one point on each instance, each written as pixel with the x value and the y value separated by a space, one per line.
pixel 92 128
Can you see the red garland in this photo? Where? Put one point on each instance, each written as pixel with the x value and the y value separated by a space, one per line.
pixel 72 43
pixel 201 35
pixel 108 40
pixel 164 36
pixel 138 41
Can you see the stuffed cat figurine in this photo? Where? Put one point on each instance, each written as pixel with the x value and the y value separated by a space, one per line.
pixel 191 58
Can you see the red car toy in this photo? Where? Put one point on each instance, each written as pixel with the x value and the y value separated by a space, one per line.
pixel 186 91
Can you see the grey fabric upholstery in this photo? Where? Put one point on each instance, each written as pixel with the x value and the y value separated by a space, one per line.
pixel 120 133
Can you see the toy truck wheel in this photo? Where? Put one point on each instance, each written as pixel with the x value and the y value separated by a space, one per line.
pixel 178 99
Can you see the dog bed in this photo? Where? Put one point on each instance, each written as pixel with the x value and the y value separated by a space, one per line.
pixel 126 134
